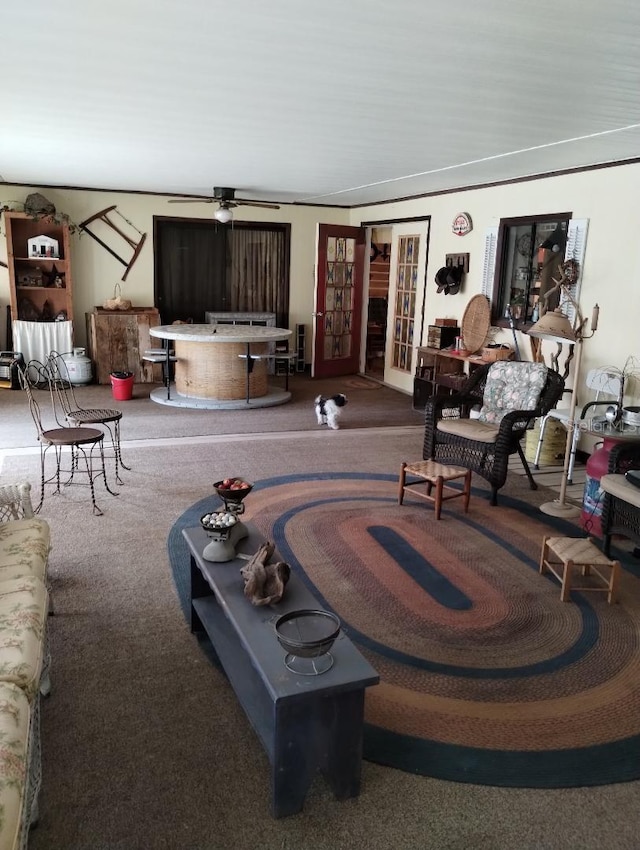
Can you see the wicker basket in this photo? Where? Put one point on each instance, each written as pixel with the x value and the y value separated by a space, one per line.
pixel 553 445
pixel 490 355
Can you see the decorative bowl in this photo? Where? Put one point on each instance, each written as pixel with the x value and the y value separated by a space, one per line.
pixel 218 524
pixel 307 633
pixel 232 495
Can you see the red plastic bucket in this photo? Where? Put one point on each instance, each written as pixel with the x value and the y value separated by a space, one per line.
pixel 122 385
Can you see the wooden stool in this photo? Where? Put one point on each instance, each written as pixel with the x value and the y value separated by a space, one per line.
pixel 579 552
pixel 435 473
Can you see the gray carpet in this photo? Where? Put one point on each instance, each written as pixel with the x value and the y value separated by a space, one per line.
pixel 370 405
pixel 144 744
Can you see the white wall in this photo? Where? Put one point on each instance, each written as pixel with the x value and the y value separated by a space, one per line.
pixel 95 272
pixel 607 197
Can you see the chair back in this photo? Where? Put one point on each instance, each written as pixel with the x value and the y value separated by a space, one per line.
pixel 34 378
pixel 61 383
pixel 512 386
pixel 604 381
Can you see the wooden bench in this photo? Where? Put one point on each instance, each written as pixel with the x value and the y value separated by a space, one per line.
pixel 305 723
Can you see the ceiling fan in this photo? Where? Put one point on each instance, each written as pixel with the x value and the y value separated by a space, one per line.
pixel 226 199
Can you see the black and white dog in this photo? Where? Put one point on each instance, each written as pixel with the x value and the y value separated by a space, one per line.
pixel 328 410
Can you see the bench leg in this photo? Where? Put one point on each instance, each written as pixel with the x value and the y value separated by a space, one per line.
pixel 467 491
pixel 325 734
pixel 401 482
pixel 439 486
pixel 566 581
pixel 543 556
pixel 612 596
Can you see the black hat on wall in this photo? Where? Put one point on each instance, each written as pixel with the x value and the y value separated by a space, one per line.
pixel 448 279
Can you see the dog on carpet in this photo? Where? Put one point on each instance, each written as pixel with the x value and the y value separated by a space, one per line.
pixel 329 409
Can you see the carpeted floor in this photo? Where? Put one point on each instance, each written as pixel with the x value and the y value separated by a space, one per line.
pixel 370 405
pixel 486 676
pixel 144 744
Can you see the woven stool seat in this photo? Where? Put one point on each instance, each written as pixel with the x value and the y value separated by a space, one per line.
pixel 435 474
pixel 581 552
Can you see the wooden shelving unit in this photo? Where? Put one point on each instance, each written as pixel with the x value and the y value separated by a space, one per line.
pixel 40 287
pixel 440 372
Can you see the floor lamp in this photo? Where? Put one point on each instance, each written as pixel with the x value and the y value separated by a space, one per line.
pixel 556 327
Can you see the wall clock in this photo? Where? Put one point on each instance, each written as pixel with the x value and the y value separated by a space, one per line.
pixel 462 224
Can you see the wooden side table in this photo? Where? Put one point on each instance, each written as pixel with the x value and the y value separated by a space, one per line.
pixel 581 552
pixel 435 474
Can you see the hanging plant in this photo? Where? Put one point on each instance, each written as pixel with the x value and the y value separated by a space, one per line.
pixel 38 207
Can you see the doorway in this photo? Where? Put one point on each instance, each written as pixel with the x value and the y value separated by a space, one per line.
pixel 378 301
pixel 395 289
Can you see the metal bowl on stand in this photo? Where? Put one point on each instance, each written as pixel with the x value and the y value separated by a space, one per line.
pixel 307 635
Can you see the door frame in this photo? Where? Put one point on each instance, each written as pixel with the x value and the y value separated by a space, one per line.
pixel 369 225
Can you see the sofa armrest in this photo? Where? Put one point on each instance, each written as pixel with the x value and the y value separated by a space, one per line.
pixel 15 501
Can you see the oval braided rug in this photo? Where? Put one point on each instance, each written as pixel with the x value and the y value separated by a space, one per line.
pixel 486 676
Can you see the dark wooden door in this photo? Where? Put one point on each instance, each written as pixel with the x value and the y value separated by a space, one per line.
pixel 338 301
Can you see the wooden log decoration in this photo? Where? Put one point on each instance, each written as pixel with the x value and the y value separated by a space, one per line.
pixel 264 583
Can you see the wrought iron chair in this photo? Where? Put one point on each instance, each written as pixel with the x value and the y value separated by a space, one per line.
pixel 83 443
pixel 511 395
pixel 77 415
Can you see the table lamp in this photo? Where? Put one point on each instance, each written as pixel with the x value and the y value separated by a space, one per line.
pixel 556 327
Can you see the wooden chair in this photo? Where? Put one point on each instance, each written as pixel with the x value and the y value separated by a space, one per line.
pixel 82 443
pixel 511 395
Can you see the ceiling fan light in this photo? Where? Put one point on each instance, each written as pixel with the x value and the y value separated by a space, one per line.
pixel 223 215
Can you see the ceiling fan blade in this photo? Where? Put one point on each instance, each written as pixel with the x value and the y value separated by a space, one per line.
pixel 191 200
pixel 264 204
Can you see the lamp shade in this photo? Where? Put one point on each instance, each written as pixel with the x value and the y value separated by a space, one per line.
pixel 554 326
pixel 223 215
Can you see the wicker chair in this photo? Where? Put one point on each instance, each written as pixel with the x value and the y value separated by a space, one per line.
pixel 485 445
pixel 621 505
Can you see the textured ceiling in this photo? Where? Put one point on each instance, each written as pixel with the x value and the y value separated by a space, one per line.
pixel 342 102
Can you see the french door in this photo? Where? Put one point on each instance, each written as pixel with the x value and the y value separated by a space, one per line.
pixel 407 294
pixel 338 300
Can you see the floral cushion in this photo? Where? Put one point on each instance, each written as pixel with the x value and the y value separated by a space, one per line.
pixel 15 717
pixel 23 617
pixel 511 386
pixel 24 548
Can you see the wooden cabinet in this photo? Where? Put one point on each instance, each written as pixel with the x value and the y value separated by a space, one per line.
pixel 117 340
pixel 40 285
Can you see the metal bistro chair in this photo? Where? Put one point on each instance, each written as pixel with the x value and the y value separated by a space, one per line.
pixel 82 443
pixel 600 381
pixel 77 415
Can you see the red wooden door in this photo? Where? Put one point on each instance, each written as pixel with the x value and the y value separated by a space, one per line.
pixel 338 301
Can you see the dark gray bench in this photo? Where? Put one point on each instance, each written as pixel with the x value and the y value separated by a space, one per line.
pixel 305 723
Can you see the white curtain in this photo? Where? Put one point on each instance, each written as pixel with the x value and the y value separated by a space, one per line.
pixel 36 340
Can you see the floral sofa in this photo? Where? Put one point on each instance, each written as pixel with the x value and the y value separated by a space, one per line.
pixel 24 660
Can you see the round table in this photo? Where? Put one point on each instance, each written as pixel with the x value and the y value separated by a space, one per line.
pixel 220 366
